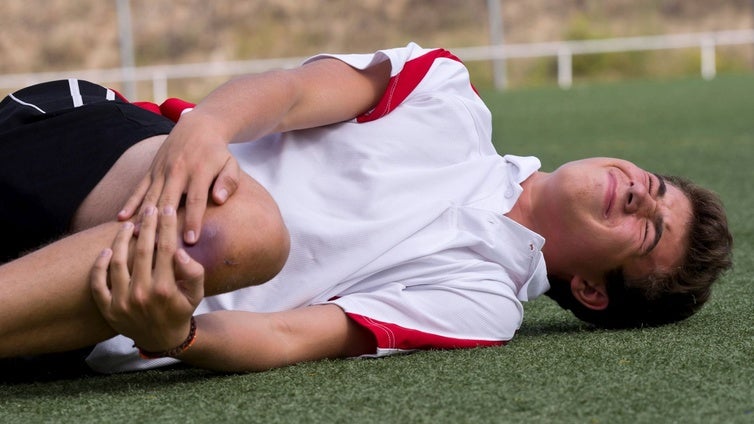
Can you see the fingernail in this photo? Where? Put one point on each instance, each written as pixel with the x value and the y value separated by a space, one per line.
pixel 128 225
pixel 222 195
pixel 191 236
pixel 122 212
pixel 149 211
pixel 104 253
pixel 168 210
pixel 183 257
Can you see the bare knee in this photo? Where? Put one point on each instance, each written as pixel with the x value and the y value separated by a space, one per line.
pixel 243 242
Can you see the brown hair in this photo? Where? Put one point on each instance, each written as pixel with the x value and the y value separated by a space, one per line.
pixel 664 298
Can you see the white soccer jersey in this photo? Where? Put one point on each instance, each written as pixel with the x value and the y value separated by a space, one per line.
pixel 396 216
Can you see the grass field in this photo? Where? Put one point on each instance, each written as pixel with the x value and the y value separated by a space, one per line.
pixel 556 370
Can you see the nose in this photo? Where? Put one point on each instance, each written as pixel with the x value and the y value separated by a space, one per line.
pixel 638 200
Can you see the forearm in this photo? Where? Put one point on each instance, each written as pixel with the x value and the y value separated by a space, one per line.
pixel 245 341
pixel 237 342
pixel 319 93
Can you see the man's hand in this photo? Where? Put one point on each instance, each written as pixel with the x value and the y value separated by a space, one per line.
pixel 193 159
pixel 154 301
pixel 247 108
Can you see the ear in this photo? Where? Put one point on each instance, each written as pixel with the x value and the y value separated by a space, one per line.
pixel 591 295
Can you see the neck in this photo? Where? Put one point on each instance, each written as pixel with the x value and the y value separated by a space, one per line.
pixel 523 212
pixel 527 212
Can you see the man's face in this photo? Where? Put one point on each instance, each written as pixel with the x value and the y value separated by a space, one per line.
pixel 604 213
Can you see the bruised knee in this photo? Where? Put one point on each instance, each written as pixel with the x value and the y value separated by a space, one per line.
pixel 243 242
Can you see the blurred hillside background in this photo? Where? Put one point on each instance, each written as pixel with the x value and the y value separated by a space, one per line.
pixel 59 35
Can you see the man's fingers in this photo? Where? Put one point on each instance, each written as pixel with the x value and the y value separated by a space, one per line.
pixel 148 200
pixel 136 198
pixel 196 205
pixel 191 275
pixel 171 192
pixel 120 277
pixel 227 181
pixel 167 243
pixel 98 281
pixel 142 263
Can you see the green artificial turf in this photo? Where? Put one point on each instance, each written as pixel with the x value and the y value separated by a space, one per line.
pixel 556 369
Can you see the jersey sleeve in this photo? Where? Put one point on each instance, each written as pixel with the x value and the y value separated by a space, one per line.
pixel 414 71
pixel 460 314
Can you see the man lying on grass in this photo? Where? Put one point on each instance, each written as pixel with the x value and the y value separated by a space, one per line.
pixel 369 201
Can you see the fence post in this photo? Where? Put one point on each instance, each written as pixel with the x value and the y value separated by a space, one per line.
pixel 125 35
pixel 565 67
pixel 494 11
pixel 159 87
pixel 708 58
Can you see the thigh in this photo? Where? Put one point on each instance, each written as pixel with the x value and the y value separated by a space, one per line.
pixel 49 164
pixel 110 194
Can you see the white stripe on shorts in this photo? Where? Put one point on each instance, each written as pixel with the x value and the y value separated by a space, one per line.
pixel 73 85
pixel 16 99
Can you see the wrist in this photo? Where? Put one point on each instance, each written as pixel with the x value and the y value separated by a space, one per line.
pixel 187 343
pixel 203 121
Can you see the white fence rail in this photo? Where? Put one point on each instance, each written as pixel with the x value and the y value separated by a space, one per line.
pixel 564 51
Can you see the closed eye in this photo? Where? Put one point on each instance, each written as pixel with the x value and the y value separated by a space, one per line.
pixel 662 187
pixel 659 225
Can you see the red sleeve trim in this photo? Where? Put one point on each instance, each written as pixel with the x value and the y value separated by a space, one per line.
pixel 403 83
pixel 393 336
pixel 171 108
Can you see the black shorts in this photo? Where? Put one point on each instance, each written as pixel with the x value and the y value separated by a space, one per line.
pixel 57 141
